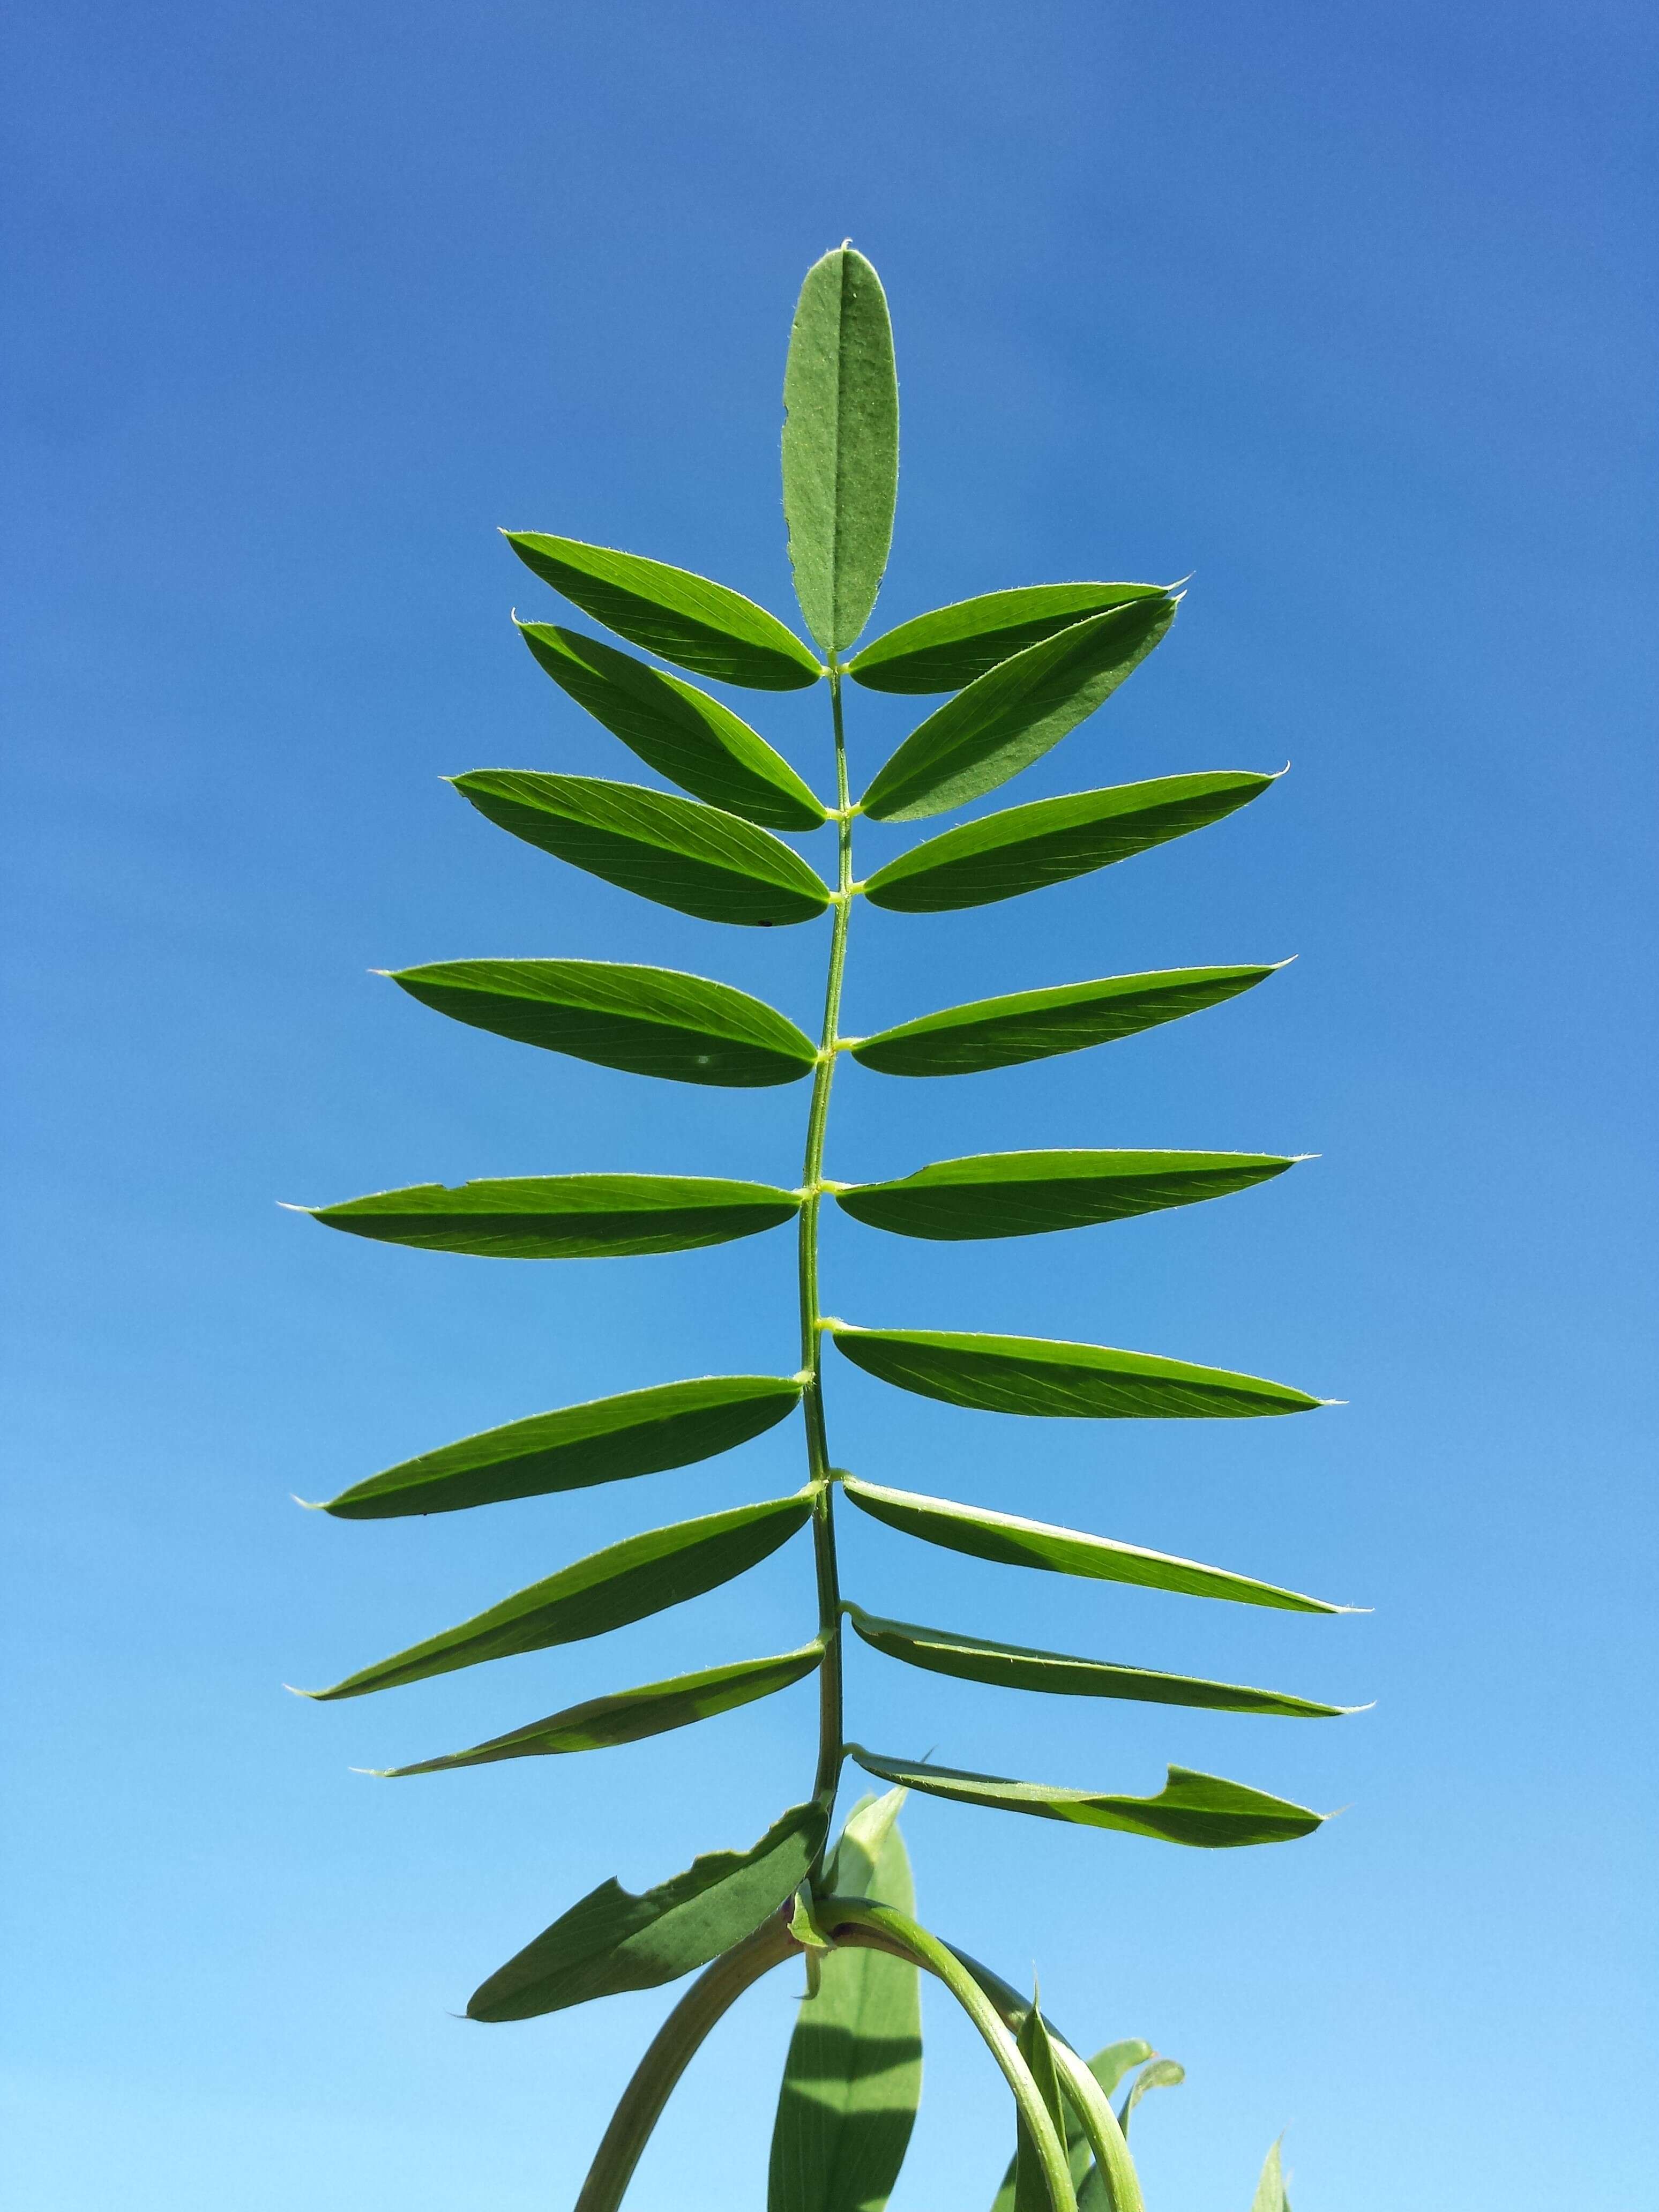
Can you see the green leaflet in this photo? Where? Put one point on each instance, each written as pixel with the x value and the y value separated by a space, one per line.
pixel 1161 2074
pixel 1032 1375
pixel 1028 1194
pixel 1030 2187
pixel 629 1715
pixel 625 1581
pixel 676 729
pixel 948 648
pixel 576 1217
pixel 1109 2067
pixel 1198 1809
pixel 853 2077
pixel 648 1021
pixel 1270 2189
pixel 1012 1541
pixel 604 1440
pixel 613 1940
pixel 839 445
pixel 1017 1666
pixel 1018 711
pixel 1036 1025
pixel 685 618
pixel 1025 848
pixel 676 851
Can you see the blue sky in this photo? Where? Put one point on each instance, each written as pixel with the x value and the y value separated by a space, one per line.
pixel 1341 308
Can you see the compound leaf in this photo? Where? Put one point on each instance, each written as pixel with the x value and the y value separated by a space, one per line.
pixel 686 618
pixel 647 1021
pixel 626 1581
pixel 1018 711
pixel 695 858
pixel 1004 1032
pixel 1025 848
pixel 1198 1809
pixel 603 1440
pixel 614 1941
pixel 629 1715
pixel 1032 1375
pixel 1028 1194
pixel 839 445
pixel 853 2077
pixel 945 649
pixel 676 729
pixel 1055 1674
pixel 1010 1540
pixel 575 1216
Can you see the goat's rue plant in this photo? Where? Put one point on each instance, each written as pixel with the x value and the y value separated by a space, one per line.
pixel 1022 668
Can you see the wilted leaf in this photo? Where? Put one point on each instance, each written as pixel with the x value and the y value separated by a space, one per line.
pixel 578 1217
pixel 1028 1194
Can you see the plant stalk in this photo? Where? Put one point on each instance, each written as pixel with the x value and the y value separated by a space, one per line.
pixel 831 1722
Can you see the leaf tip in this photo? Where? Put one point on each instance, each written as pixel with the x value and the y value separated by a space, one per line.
pixel 289 1206
pixel 293 1691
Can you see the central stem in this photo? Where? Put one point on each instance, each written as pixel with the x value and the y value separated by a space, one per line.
pixel 812 1336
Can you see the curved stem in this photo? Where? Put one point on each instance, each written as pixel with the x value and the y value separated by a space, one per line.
pixel 673 2049
pixel 812 1337
pixel 880 1928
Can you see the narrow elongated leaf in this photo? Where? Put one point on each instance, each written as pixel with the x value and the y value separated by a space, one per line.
pixel 1036 1025
pixel 1025 848
pixel 625 1581
pixel 839 445
pixel 948 648
pixel 853 2077
pixel 614 1941
pixel 1018 711
pixel 1199 1809
pixel 1032 1375
pixel 685 617
pixel 676 729
pixel 1030 2187
pixel 1270 2189
pixel 1013 1541
pixel 1028 1194
pixel 1017 1666
pixel 648 1021
pixel 1109 2067
pixel 577 1217
pixel 696 859
pixel 604 1440
pixel 1161 2074
pixel 629 1715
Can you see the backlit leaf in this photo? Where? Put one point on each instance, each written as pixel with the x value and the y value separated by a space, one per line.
pixel 629 1715
pixel 648 1021
pixel 1017 1666
pixel 1027 1194
pixel 1199 1809
pixel 948 648
pixel 853 2077
pixel 603 1440
pixel 1013 1541
pixel 576 1217
pixel 839 445
pixel 1027 847
pixel 1018 711
pixel 685 618
pixel 696 859
pixel 1036 1025
pixel 625 1581
pixel 1030 2185
pixel 676 729
pixel 1161 2074
pixel 1270 2189
pixel 1033 1375
pixel 614 1941
pixel 1109 2067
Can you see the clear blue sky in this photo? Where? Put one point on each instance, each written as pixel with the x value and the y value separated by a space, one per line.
pixel 1348 310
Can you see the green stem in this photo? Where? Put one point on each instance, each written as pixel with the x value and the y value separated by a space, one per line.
pixel 812 1336
pixel 880 1928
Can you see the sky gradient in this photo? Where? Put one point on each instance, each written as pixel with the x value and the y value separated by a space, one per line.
pixel 1347 310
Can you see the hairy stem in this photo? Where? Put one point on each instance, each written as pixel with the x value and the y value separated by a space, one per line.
pixel 673 2049
pixel 812 1337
